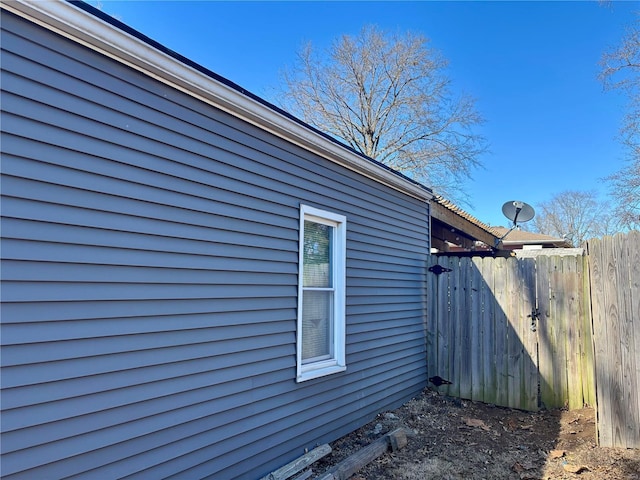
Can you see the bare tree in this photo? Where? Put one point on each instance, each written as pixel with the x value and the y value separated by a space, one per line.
pixel 621 71
pixel 388 97
pixel 574 215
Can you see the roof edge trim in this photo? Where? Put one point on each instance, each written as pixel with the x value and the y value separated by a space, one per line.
pixel 534 242
pixel 98 34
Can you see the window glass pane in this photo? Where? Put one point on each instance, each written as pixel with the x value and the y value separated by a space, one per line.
pixel 317 324
pixel 317 254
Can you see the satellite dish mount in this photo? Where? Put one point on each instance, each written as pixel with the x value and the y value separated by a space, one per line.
pixel 516 211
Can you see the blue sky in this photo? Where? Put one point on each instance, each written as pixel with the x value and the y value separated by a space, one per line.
pixel 532 67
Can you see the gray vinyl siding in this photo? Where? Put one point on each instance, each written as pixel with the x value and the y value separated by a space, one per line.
pixel 149 279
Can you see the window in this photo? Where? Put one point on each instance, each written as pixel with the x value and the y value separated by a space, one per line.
pixel 321 294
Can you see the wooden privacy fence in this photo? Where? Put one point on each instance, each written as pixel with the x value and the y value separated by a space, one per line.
pixel 519 332
pixel 504 331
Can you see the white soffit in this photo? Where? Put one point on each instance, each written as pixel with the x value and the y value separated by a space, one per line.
pixel 74 23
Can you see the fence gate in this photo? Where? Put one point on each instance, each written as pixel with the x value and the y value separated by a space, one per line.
pixel 513 332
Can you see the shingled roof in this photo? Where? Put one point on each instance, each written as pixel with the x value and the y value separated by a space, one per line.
pixel 519 238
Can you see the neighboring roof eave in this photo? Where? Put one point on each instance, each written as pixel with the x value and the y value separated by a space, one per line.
pixel 447 212
pixel 558 242
pixel 517 237
pixel 84 24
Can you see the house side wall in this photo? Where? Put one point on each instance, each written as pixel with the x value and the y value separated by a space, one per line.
pixel 149 279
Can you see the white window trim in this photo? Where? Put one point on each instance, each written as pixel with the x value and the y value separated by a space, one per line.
pixel 336 364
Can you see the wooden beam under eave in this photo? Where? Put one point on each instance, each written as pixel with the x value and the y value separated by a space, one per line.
pixel 457 222
pixel 442 233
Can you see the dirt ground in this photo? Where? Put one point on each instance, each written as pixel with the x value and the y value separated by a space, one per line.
pixel 451 439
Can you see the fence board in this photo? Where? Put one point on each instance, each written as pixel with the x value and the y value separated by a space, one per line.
pixel 477 332
pixel 571 320
pixel 454 328
pixel 465 313
pixel 586 338
pixel 614 352
pixel 500 326
pixel 561 313
pixel 529 381
pixel 627 361
pixel 545 340
pixel 488 326
pixel 596 253
pixel 515 350
pixel 443 322
pixel 432 323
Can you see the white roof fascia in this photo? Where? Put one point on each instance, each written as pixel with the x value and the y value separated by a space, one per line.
pixel 534 242
pixel 74 23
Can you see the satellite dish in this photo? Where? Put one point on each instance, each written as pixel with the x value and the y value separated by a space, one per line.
pixel 518 211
